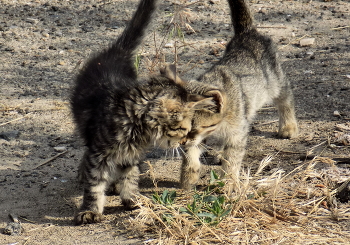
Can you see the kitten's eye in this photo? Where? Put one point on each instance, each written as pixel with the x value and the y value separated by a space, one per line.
pixel 178 129
pixel 210 126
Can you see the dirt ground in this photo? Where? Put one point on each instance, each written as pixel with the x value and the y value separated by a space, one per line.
pixel 43 44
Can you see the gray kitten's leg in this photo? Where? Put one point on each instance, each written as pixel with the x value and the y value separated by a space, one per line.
pixel 288 127
pixel 128 184
pixel 93 177
pixel 190 167
pixel 234 151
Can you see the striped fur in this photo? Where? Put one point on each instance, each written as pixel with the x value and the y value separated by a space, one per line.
pixel 247 77
pixel 120 117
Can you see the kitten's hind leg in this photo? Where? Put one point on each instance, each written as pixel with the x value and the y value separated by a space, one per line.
pixel 94 182
pixel 128 184
pixel 288 127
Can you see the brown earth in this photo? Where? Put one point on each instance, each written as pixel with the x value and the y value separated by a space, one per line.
pixel 43 44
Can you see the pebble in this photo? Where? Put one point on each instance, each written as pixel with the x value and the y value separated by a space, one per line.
pixel 169 45
pixel 87 28
pixel 9 135
pixel 336 113
pixel 13 229
pixel 60 148
pixel 32 21
pixel 307 42
pixel 45 34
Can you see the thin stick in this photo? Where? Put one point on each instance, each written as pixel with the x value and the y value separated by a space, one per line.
pixel 15 119
pixel 277 27
pixel 265 123
pixel 25 219
pixel 49 160
pixel 341 27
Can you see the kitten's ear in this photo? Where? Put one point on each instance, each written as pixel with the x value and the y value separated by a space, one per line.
pixel 212 101
pixel 218 97
pixel 169 71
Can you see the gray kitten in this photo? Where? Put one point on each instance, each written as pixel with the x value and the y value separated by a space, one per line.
pixel 247 77
pixel 120 117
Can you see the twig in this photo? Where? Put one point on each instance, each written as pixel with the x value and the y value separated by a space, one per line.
pixel 25 219
pixel 288 152
pixel 265 123
pixel 49 160
pixel 15 119
pixel 341 27
pixel 277 27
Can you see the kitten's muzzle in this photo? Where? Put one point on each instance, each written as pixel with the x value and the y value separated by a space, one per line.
pixel 183 141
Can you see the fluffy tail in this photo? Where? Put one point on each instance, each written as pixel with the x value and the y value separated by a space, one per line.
pixel 132 35
pixel 241 17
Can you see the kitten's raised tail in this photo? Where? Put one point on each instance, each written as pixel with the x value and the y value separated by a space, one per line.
pixel 242 19
pixel 132 35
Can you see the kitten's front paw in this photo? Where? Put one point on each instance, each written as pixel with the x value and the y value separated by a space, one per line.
pixel 187 186
pixel 288 131
pixel 87 217
pixel 129 204
pixel 189 179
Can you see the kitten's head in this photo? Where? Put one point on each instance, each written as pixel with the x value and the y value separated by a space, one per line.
pixel 175 109
pixel 206 120
pixel 202 113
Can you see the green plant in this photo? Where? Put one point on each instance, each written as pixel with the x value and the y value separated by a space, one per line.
pixel 176 32
pixel 137 62
pixel 167 198
pixel 209 206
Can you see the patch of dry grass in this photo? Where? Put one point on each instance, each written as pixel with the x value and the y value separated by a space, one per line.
pixel 280 208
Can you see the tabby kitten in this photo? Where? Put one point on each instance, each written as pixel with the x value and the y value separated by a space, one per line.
pixel 247 77
pixel 120 117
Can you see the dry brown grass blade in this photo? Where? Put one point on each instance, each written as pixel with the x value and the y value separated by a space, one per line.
pixel 281 209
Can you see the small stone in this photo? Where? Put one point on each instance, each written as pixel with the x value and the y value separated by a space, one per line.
pixel 61 63
pixel 344 194
pixel 169 45
pixel 13 229
pixel 336 113
pixel 45 34
pixel 9 135
pixel 32 21
pixel 87 28
pixel 307 42
pixel 60 148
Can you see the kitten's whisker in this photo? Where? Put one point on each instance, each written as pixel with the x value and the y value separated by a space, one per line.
pixel 177 152
pixel 206 147
pixel 166 154
pixel 184 153
pixel 201 156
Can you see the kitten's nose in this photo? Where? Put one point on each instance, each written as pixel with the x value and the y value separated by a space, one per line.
pixel 183 141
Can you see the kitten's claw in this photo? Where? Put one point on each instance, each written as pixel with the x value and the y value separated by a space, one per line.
pixel 88 217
